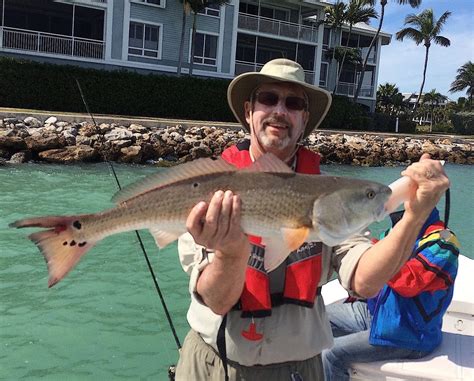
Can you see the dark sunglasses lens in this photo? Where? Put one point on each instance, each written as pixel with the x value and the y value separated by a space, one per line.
pixel 295 103
pixel 267 98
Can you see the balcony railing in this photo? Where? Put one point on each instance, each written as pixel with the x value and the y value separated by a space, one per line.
pixel 49 43
pixel 244 67
pixel 278 28
pixel 348 89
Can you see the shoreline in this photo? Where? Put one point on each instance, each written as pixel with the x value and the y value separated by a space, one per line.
pixel 73 138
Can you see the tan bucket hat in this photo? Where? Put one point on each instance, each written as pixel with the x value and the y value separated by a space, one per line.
pixel 278 70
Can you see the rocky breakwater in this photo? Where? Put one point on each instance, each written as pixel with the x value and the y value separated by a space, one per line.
pixel 54 141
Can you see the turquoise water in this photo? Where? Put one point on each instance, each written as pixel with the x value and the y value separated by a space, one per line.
pixel 105 321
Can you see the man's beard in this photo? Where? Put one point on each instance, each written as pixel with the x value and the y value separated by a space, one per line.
pixel 270 141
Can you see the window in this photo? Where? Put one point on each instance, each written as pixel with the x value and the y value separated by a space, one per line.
pixel 275 14
pixel 143 40
pixel 323 75
pixel 205 49
pixel 211 10
pixel 250 9
pixel 152 2
pixel 326 36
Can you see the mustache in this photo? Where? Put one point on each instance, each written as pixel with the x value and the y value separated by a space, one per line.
pixel 276 120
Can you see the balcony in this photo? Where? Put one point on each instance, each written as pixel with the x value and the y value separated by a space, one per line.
pixel 244 67
pixel 348 89
pixel 49 43
pixel 278 28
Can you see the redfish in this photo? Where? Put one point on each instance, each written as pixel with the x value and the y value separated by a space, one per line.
pixel 286 209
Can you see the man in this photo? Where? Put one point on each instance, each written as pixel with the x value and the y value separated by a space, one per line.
pixel 237 309
pixel 404 320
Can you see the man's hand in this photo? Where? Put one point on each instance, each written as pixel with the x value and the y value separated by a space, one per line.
pixel 432 182
pixel 217 227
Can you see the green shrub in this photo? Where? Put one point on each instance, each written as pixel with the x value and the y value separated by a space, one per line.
pixel 443 127
pixel 343 114
pixel 463 123
pixel 27 84
pixel 406 126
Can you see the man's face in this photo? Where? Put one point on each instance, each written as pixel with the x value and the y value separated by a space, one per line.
pixel 278 119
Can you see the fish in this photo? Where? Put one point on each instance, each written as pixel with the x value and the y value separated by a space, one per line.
pixel 285 208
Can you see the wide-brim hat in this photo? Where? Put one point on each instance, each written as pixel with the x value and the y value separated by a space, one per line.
pixel 278 70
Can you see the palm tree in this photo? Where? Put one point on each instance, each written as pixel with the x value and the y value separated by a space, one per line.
pixel 357 11
pixel 464 80
pixel 432 99
pixel 425 29
pixel 383 3
pixel 186 11
pixel 195 6
pixel 334 18
pixel 386 96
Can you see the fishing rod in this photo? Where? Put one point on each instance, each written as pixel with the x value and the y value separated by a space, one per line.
pixel 150 267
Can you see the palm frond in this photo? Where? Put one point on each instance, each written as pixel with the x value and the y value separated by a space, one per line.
pixel 412 33
pixel 443 41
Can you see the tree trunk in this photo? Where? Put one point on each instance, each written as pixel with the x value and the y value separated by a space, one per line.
pixel 181 43
pixel 424 77
pixel 191 61
pixel 361 78
pixel 338 76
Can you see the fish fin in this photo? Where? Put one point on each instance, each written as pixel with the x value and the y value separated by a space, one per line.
pixel 269 163
pixel 163 238
pixel 204 166
pixel 275 252
pixel 294 238
pixel 277 248
pixel 61 250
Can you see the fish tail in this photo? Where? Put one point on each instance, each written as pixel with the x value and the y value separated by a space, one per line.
pixel 60 246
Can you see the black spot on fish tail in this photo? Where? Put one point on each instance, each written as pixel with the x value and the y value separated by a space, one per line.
pixel 73 243
pixel 64 243
pixel 81 244
pixel 77 225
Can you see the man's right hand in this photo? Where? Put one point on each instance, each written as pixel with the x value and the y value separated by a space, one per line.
pixel 217 226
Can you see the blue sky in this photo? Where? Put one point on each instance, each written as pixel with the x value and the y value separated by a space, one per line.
pixel 402 62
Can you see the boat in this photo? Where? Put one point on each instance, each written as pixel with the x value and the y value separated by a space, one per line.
pixel 453 360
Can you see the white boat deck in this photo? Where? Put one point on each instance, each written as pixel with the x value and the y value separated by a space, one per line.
pixel 453 360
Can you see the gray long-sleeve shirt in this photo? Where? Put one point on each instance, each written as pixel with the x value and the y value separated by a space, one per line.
pixel 292 332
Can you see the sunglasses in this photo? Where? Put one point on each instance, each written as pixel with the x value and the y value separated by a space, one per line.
pixel 269 98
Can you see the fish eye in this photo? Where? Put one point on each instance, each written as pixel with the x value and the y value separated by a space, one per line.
pixel 195 185
pixel 370 194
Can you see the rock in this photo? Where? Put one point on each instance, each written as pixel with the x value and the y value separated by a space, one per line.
pixel 50 120
pixel 38 143
pixel 20 157
pixel 132 154
pixel 118 134
pixel 137 128
pixel 12 143
pixel 81 153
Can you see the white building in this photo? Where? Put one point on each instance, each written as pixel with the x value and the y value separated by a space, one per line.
pixel 145 35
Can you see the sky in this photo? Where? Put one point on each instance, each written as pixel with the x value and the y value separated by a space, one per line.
pixel 401 62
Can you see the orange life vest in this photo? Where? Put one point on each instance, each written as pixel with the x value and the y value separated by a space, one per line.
pixel 303 266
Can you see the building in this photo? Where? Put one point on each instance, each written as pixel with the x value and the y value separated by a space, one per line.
pixel 144 35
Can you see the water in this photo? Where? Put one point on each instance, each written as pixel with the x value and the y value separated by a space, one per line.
pixel 105 320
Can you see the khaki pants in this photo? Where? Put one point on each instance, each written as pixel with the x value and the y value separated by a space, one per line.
pixel 200 362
